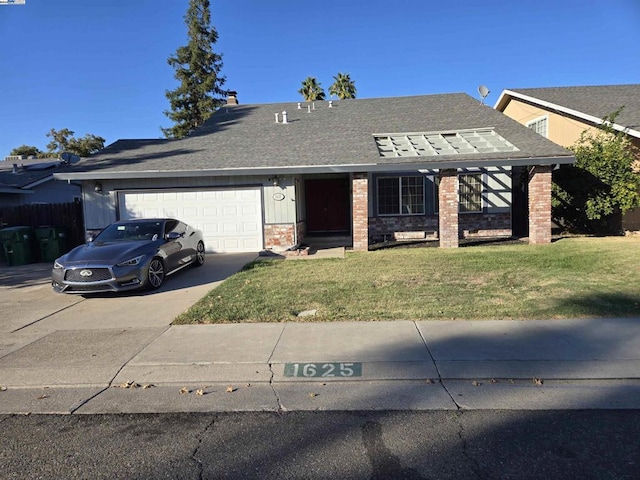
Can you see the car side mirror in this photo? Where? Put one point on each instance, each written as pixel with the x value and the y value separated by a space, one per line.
pixel 173 236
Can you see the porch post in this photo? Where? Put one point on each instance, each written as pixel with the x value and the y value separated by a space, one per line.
pixel 360 213
pixel 448 208
pixel 540 204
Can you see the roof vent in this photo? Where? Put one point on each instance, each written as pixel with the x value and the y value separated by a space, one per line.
pixel 284 117
pixel 299 106
pixel 15 168
pixel 232 98
pixel 330 103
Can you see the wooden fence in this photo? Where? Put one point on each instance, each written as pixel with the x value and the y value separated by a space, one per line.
pixel 67 215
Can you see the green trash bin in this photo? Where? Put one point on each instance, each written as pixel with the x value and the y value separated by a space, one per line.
pixel 18 245
pixel 52 242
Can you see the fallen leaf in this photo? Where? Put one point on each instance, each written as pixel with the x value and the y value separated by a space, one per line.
pixel 313 395
pixel 493 380
pixel 428 380
pixel 147 385
pixel 184 390
pixel 538 381
pixel 129 384
pixel 475 383
pixel 248 385
pixel 200 392
pixel 42 397
pixel 3 389
pixel 230 389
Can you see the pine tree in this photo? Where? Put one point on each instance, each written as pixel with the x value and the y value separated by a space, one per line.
pixel 197 68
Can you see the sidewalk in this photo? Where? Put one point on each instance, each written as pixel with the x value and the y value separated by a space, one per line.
pixel 402 365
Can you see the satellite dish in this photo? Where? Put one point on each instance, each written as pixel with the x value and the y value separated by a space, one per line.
pixel 483 91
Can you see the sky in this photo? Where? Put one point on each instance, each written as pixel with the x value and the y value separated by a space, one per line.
pixel 100 67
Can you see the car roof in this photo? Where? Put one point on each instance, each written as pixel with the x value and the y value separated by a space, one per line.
pixel 140 220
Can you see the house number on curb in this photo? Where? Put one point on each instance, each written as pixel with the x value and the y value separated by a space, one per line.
pixel 323 370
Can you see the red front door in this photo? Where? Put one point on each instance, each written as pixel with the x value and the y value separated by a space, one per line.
pixel 328 205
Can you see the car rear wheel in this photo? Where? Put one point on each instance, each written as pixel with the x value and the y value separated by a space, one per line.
pixel 155 274
pixel 199 255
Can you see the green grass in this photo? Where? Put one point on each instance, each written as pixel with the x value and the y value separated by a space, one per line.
pixel 570 278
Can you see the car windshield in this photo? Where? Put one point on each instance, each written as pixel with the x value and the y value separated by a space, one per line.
pixel 129 232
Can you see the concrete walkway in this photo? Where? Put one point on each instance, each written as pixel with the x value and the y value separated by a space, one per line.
pixel 402 365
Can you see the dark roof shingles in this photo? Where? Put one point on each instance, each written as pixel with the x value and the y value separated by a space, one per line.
pixel 247 136
pixel 597 101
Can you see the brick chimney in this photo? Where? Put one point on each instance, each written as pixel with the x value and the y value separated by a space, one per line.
pixel 232 98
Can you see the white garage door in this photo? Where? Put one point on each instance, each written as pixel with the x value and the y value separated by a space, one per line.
pixel 230 219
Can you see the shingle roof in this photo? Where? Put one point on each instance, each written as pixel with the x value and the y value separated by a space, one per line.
pixel 596 101
pixel 247 137
pixel 24 176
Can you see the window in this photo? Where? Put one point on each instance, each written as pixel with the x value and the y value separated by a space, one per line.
pixel 470 192
pixel 539 125
pixel 401 195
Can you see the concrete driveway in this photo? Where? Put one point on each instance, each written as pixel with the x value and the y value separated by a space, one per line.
pixel 29 305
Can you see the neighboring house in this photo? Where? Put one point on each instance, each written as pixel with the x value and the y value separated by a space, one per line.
pixel 269 176
pixel 28 181
pixel 561 114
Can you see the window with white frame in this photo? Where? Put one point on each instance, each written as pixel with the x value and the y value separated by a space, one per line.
pixel 401 195
pixel 470 192
pixel 539 125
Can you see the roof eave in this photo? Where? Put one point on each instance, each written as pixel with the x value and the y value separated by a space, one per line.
pixel 507 95
pixel 15 191
pixel 316 169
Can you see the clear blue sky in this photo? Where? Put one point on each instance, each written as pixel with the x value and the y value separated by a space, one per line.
pixel 98 66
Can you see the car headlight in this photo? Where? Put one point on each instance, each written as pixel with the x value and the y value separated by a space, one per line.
pixel 57 265
pixel 133 261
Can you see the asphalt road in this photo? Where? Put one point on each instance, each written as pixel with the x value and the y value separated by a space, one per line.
pixel 587 444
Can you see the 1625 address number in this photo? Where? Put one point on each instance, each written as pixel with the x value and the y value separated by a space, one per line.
pixel 323 370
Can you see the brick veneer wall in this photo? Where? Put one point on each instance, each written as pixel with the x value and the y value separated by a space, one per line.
pixel 360 214
pixel 470 225
pixel 540 204
pixel 485 225
pixel 392 227
pixel 448 208
pixel 278 236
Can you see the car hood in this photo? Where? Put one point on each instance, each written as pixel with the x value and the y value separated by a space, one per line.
pixel 109 253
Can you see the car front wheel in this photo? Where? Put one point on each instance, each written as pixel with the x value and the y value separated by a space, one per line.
pixel 155 274
pixel 199 255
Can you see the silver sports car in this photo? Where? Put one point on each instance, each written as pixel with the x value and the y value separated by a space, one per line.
pixel 128 255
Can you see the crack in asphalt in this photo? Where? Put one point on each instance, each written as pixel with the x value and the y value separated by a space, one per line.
pixel 475 466
pixel 196 450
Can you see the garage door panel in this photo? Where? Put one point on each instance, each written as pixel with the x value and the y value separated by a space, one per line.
pixel 230 219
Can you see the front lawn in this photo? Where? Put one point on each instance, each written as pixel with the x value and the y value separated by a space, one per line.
pixel 570 278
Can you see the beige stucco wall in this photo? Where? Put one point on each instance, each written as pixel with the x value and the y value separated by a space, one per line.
pixel 565 131
pixel 561 130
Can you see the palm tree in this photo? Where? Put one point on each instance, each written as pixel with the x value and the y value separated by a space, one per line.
pixel 343 87
pixel 311 90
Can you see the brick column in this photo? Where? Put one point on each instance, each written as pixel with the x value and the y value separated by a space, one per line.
pixel 540 204
pixel 360 214
pixel 448 208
